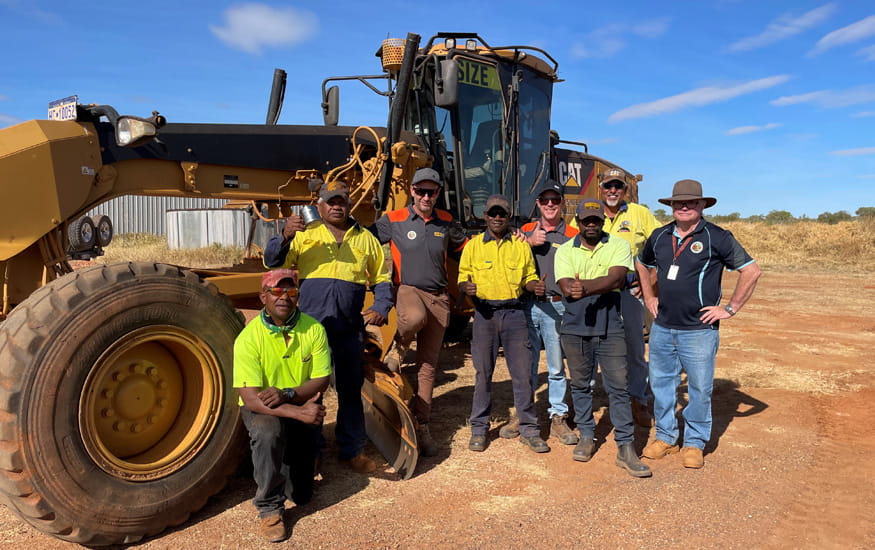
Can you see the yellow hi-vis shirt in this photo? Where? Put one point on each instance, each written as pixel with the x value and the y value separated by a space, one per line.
pixel 634 223
pixel 262 359
pixel 572 258
pixel 500 269
pixel 358 259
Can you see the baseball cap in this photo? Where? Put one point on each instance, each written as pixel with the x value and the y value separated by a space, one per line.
pixel 590 207
pixel 497 200
pixel 612 174
pixel 555 186
pixel 426 174
pixel 275 276
pixel 331 190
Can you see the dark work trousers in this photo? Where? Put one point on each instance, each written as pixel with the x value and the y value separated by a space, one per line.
pixel 584 354
pixel 349 375
pixel 283 460
pixel 506 328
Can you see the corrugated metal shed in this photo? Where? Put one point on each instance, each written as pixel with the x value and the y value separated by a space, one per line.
pixel 136 214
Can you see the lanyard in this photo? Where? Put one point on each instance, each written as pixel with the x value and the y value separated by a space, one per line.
pixel 674 246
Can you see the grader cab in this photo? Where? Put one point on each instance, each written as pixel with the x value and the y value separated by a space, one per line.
pixel 117 413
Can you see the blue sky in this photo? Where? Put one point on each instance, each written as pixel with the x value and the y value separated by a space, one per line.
pixel 771 105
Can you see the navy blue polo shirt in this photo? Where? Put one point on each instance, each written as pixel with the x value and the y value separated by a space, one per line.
pixel 701 257
pixel 419 246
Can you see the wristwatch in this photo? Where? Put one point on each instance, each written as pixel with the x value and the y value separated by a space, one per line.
pixel 289 394
pixel 729 310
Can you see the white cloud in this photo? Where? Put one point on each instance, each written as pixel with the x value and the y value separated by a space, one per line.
pixel 867 53
pixel 783 27
pixel 609 40
pixel 862 114
pixel 863 28
pixel 252 27
pixel 696 98
pixel 751 129
pixel 854 152
pixel 830 99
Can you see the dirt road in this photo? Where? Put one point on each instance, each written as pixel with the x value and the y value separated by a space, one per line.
pixel 791 462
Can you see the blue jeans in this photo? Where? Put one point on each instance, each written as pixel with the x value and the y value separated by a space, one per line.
pixel 505 328
pixel 633 324
pixel 585 354
pixel 693 352
pixel 543 320
pixel 283 460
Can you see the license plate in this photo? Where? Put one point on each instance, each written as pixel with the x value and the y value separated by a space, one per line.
pixel 63 109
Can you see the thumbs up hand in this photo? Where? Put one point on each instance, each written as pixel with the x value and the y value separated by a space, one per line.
pixel 469 287
pixel 538 236
pixel 577 290
pixel 541 286
pixel 312 412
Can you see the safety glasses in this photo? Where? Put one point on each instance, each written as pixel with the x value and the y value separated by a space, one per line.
pixel 550 200
pixel 615 184
pixel 496 213
pixel 422 192
pixel 278 291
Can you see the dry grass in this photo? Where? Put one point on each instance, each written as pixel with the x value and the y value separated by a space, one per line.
pixel 153 248
pixel 809 246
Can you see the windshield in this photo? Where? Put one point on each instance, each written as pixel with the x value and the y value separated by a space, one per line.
pixel 534 138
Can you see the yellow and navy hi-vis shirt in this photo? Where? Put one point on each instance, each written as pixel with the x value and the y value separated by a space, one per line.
pixel 263 359
pixel 499 268
pixel 333 278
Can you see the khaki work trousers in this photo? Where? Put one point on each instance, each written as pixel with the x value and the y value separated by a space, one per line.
pixel 423 316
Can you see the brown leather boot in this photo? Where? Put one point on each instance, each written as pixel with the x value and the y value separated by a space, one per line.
pixel 272 528
pixel 658 449
pixel 427 445
pixel 560 430
pixel 511 429
pixel 692 457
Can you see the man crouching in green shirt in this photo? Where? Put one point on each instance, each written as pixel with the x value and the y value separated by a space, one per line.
pixel 282 365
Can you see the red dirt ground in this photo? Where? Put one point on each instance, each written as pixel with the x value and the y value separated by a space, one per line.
pixel 791 462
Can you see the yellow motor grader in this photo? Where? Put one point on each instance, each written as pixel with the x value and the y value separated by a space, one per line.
pixel 117 413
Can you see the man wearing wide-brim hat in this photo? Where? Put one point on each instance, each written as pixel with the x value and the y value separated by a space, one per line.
pixel 689 256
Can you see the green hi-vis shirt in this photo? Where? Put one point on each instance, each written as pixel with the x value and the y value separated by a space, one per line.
pixel 262 359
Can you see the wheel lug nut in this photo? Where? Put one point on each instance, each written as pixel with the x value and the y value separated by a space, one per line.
pixel 120 426
pixel 107 413
pixel 136 428
pixel 107 394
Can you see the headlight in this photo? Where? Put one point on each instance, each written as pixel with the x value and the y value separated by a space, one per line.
pixel 131 131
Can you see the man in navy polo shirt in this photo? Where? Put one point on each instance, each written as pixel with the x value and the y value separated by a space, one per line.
pixel 689 256
pixel 420 236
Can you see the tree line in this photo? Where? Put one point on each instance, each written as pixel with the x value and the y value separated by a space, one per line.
pixel 781 216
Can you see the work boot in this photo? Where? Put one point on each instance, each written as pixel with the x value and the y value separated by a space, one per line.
pixel 535 443
pixel 511 429
pixel 427 445
pixel 583 451
pixel 361 464
pixel 641 414
pixel 627 459
pixel 560 430
pixel 395 357
pixel 477 443
pixel 692 457
pixel 272 528
pixel 658 449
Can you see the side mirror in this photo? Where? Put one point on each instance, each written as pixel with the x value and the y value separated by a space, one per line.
pixel 446 84
pixel 331 106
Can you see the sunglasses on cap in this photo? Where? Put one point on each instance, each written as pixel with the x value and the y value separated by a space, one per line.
pixel 278 291
pixel 497 213
pixel 422 192
pixel 613 184
pixel 549 200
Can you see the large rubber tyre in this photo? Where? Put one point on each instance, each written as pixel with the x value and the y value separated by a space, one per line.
pixel 102 229
pixel 118 415
pixel 81 234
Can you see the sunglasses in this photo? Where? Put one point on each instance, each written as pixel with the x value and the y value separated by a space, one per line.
pixel 426 192
pixel 278 291
pixel 678 205
pixel 497 213
pixel 613 185
pixel 550 200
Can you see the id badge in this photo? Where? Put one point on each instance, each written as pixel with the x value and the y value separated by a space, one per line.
pixel 672 272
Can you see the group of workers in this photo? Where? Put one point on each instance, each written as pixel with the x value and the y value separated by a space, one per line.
pixel 581 291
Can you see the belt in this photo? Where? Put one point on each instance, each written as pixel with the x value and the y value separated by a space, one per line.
pixel 553 298
pixel 499 304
